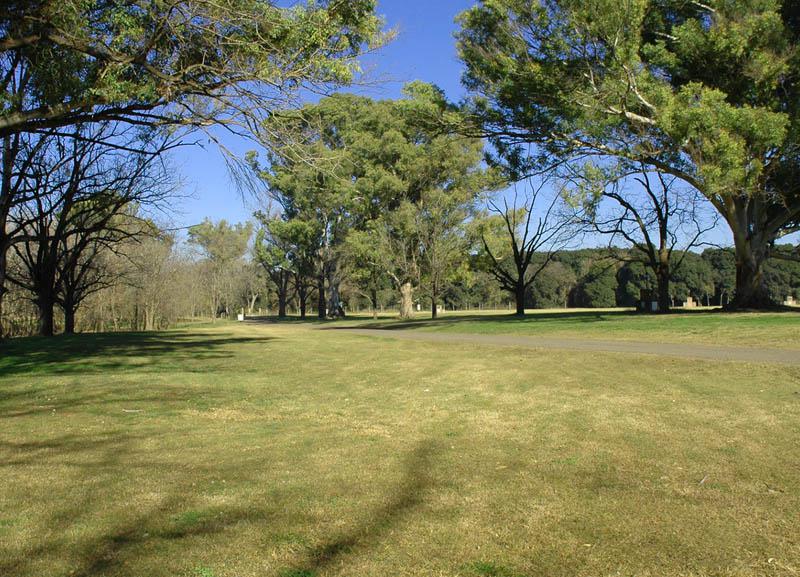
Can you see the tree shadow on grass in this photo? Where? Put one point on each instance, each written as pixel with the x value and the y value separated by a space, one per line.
pixel 406 498
pixel 178 514
pixel 162 522
pixel 98 352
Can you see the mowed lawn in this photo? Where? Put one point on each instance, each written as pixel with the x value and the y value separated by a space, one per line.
pixel 288 451
pixel 780 330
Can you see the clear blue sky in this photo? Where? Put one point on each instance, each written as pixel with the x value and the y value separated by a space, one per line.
pixel 424 50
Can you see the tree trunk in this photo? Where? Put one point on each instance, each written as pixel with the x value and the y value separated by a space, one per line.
pixel 751 289
pixel 751 240
pixel 149 317
pixel 69 317
pixel 321 301
pixel 373 295
pixel 2 286
pixel 662 281
pixel 302 297
pixel 519 299
pixel 334 303
pixel 45 305
pixel 434 308
pixel 335 308
pixel 406 301
pixel 282 294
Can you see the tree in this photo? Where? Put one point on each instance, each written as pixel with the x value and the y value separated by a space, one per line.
pixel 273 252
pixel 661 224
pixel 441 217
pixel 20 154
pixel 374 163
pixel 151 273
pixel 192 62
pixel 553 285
pixel 513 234
pixel 723 265
pixel 598 288
pixel 182 63
pixel 362 262
pixel 223 247
pixel 82 267
pixel 77 190
pixel 694 278
pixel 706 92
pixel 783 273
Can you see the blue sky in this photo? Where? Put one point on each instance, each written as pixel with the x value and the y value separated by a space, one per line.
pixel 423 50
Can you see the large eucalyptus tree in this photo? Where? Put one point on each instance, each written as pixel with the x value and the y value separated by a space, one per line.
pixel 705 91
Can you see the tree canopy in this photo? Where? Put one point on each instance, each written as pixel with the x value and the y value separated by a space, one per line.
pixel 171 61
pixel 707 92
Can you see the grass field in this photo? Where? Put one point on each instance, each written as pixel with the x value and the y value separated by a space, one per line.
pixel 776 330
pixel 287 451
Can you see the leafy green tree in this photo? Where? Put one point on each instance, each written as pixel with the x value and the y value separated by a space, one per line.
pixel 362 261
pixel 707 92
pixel 783 273
pixel 723 264
pixel 634 278
pixel 194 62
pixel 223 247
pixel 382 167
pixel 273 252
pixel 553 286
pixel 441 222
pixel 598 288
pixel 694 278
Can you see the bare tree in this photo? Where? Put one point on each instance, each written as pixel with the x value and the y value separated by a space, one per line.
pixel 660 222
pixel 534 223
pixel 79 191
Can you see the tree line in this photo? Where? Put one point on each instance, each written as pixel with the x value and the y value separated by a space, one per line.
pixel 94 94
pixel 218 270
pixel 648 124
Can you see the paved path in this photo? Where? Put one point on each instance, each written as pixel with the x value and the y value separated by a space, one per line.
pixel 687 351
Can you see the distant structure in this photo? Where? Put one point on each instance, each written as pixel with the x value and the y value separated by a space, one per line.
pixel 647 302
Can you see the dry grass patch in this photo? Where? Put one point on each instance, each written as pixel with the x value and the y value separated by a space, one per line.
pixel 284 451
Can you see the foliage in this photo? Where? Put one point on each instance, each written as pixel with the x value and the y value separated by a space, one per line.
pixel 222 246
pixel 707 92
pixel 188 61
pixel 381 169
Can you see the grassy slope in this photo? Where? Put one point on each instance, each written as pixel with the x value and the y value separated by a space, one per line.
pixel 284 451
pixel 769 330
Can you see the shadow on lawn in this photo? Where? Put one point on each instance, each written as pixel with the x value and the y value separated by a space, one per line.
pixel 168 518
pixel 404 500
pixel 146 528
pixel 97 352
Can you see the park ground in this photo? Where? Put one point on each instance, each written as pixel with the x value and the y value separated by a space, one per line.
pixel 291 450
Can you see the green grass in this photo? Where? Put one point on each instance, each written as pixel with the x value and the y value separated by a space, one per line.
pixel 283 450
pixel 768 330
